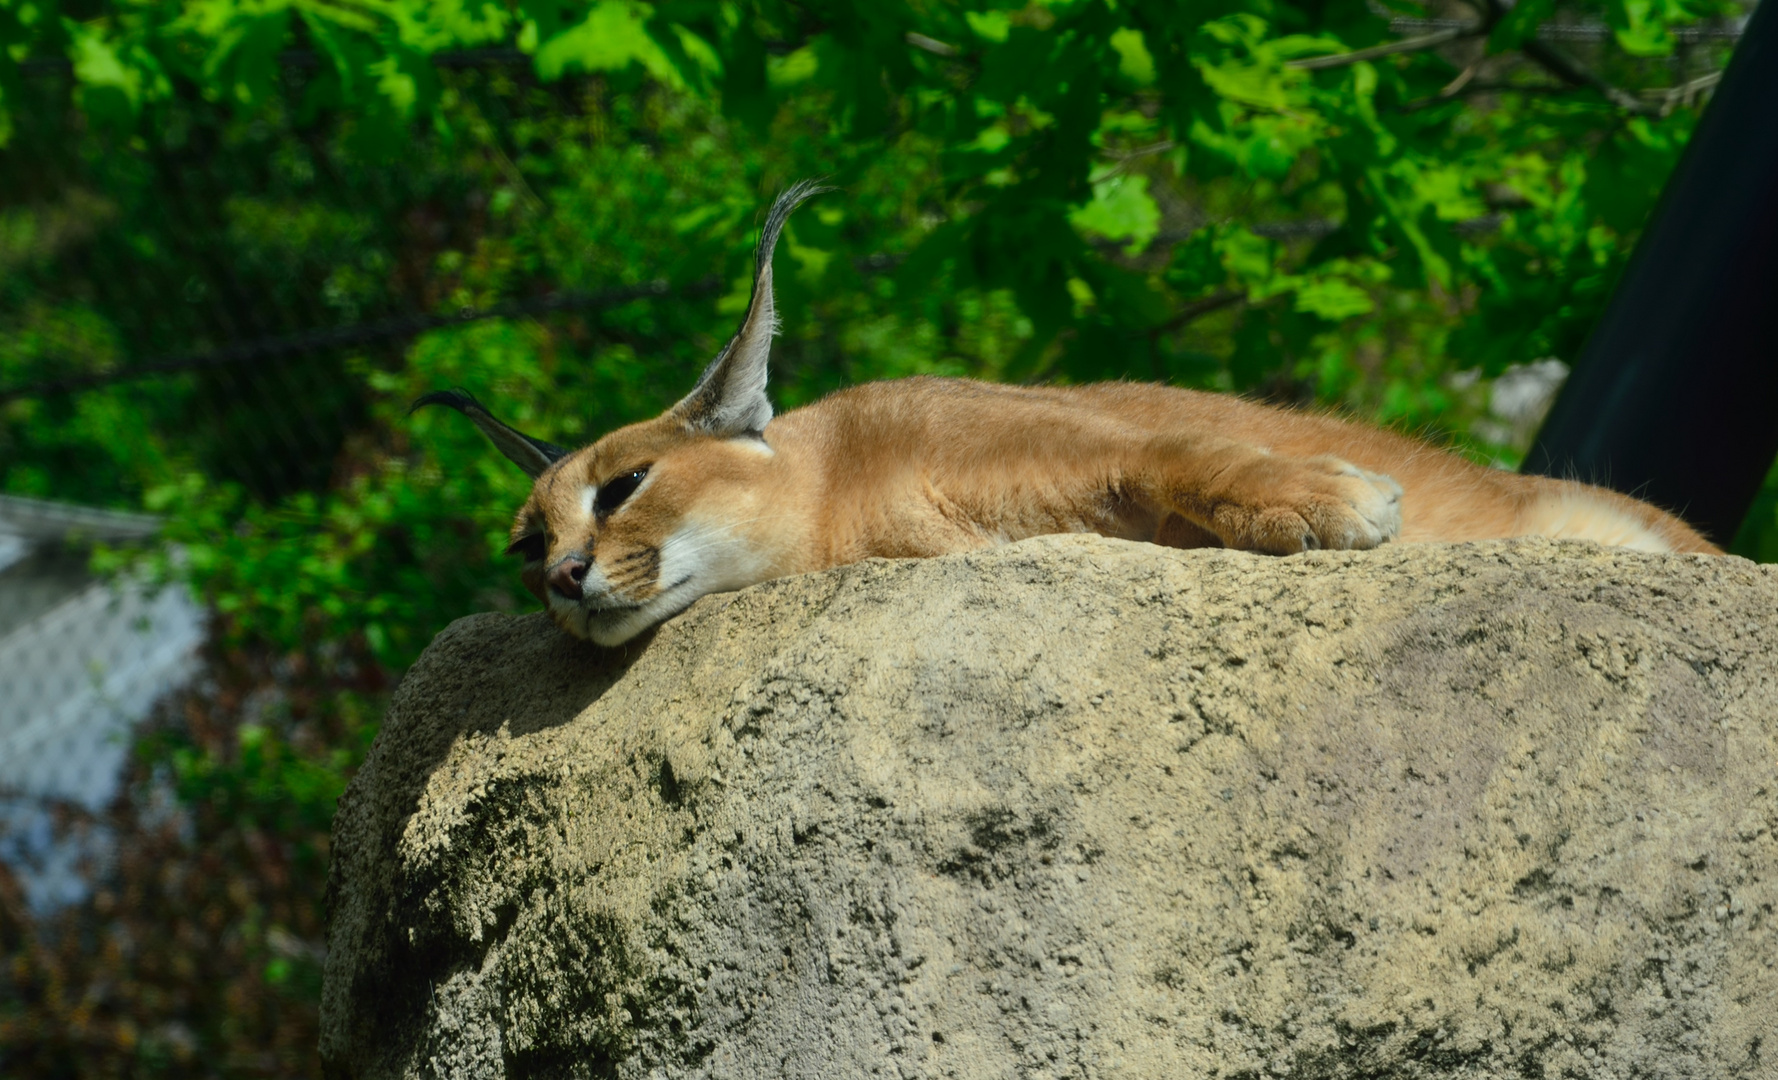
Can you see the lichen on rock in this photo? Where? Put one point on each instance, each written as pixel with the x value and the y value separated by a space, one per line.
pixel 1079 807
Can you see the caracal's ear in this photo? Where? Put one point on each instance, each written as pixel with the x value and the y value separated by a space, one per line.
pixel 531 455
pixel 730 398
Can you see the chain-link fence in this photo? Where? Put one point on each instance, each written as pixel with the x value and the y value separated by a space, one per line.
pixel 184 301
pixel 82 660
pixel 219 298
pixel 205 314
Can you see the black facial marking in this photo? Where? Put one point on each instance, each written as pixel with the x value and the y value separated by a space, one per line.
pixel 531 546
pixel 614 491
pixel 639 566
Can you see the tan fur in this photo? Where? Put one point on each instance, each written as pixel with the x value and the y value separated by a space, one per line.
pixel 731 496
pixel 928 466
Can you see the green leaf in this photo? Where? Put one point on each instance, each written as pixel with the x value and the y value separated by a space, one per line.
pixel 991 26
pixel 1134 61
pixel 1122 209
pixel 1641 25
pixel 1230 58
pixel 613 36
pixel 1450 190
pixel 243 67
pixel 117 77
pixel 1260 146
pixel 1255 262
pixel 1333 299
pixel 792 69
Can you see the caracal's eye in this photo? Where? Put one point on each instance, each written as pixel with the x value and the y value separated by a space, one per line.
pixel 614 491
pixel 532 546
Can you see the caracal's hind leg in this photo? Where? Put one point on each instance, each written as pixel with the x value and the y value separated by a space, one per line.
pixel 1258 501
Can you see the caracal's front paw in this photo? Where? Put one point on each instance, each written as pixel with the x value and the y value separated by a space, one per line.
pixel 1284 505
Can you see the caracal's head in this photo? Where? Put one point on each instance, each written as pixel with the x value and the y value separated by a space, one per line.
pixel 624 533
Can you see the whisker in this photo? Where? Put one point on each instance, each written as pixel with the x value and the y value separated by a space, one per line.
pixel 624 573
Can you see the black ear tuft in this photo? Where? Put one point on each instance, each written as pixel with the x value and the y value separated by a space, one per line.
pixel 730 397
pixel 531 455
pixel 461 400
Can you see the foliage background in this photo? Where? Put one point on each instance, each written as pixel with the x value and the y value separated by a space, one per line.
pixel 1377 207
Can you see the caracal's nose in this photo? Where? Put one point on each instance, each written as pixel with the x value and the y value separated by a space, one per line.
pixel 565 577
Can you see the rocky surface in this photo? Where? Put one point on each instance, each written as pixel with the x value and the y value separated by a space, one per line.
pixel 1085 808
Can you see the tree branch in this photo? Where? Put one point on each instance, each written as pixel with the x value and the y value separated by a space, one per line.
pixel 931 45
pixel 1535 49
pixel 1588 31
pixel 1572 73
pixel 1669 98
pixel 397 328
pixel 1198 308
pixel 1554 62
pixel 1390 48
pixel 1488 88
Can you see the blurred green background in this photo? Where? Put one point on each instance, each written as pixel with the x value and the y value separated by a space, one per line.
pixel 222 224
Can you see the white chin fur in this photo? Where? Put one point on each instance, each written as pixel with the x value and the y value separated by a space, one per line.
pixel 698 559
pixel 617 627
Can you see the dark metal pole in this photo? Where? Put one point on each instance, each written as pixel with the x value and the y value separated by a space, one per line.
pixel 1675 397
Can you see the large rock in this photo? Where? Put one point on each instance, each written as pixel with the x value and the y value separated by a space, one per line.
pixel 1079 807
